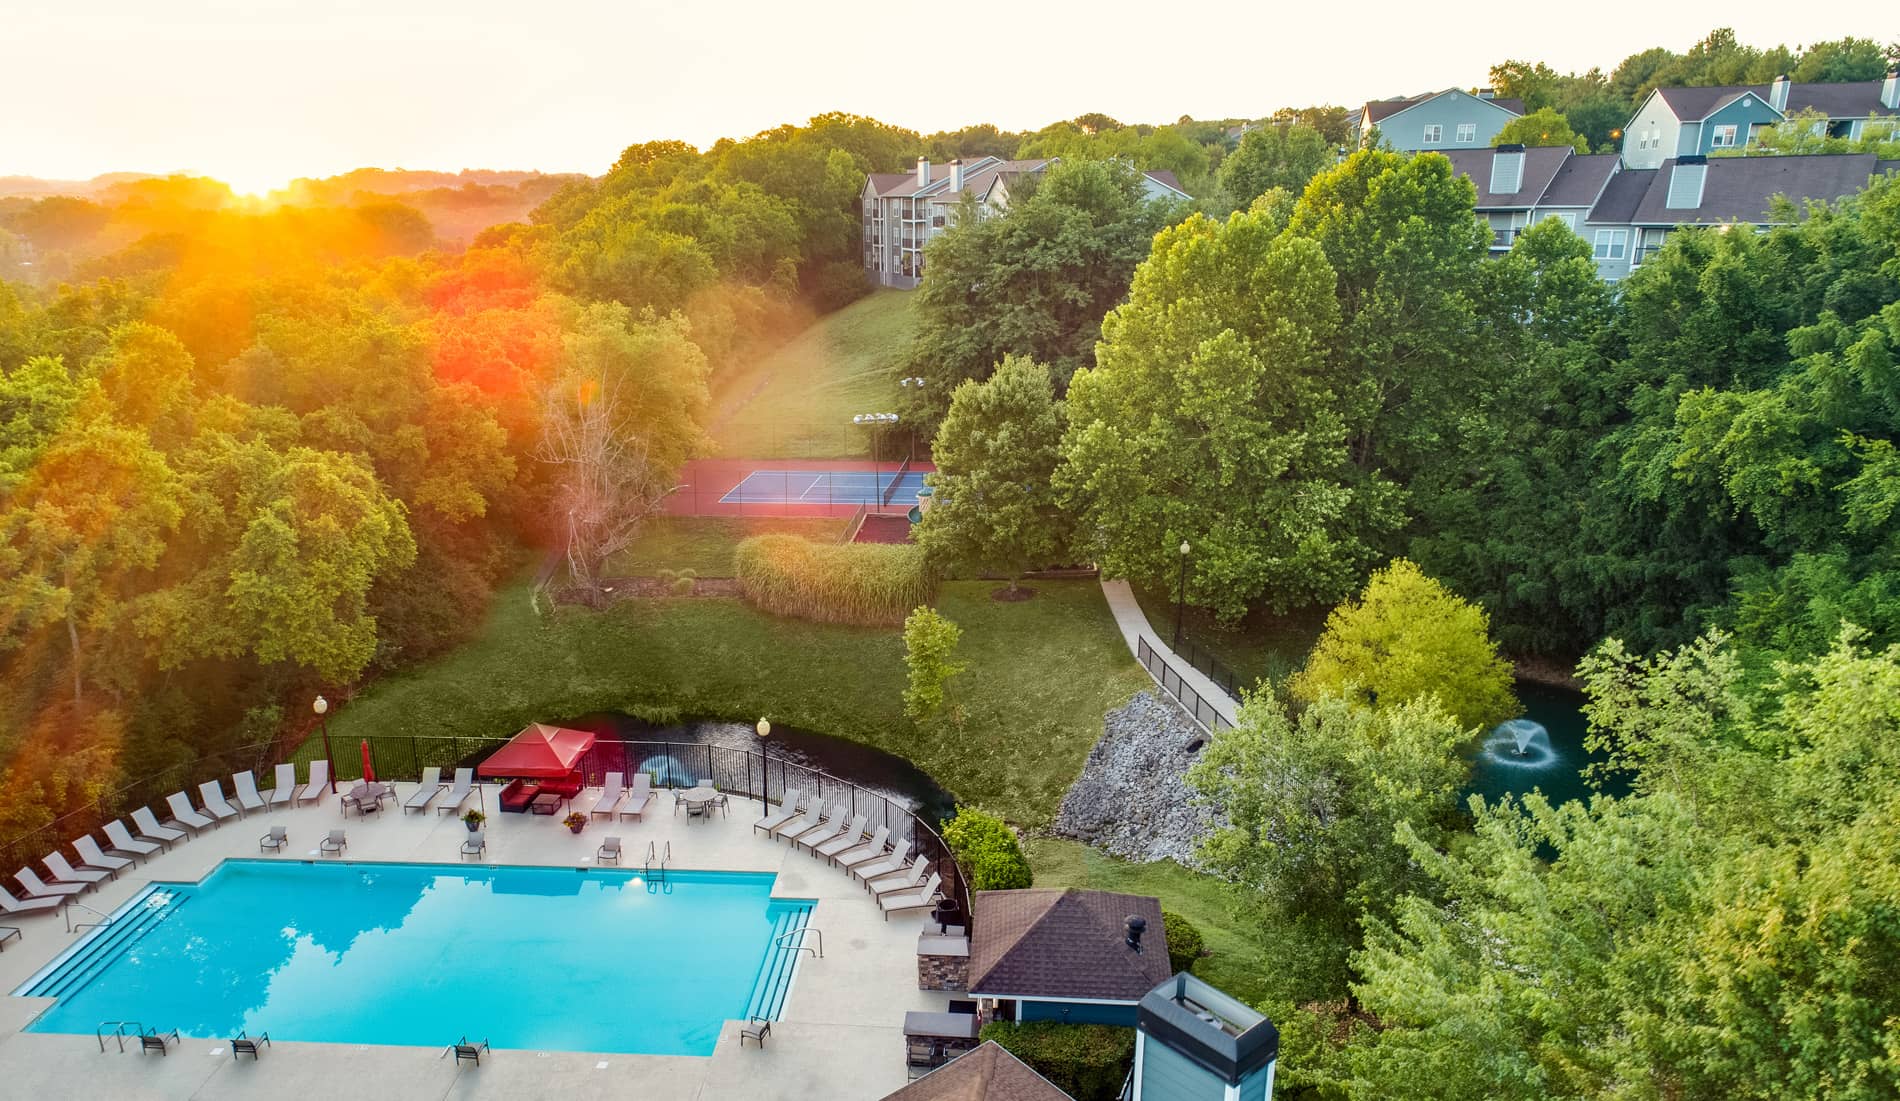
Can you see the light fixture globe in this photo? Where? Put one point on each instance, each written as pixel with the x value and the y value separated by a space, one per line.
pixel 764 728
pixel 1184 548
pixel 320 705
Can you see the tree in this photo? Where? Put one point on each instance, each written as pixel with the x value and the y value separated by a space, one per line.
pixel 1285 157
pixel 930 648
pixel 35 400
pixel 994 505
pixel 987 850
pixel 1214 416
pixel 1541 127
pixel 1406 638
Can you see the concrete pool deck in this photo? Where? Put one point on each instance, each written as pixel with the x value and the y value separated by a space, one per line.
pixel 839 1037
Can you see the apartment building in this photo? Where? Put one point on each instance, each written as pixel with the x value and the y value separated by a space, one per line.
pixel 1435 122
pixel 1685 122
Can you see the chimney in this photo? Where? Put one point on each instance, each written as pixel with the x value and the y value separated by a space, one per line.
pixel 1890 90
pixel 1778 93
pixel 956 174
pixel 1136 926
pixel 1487 93
pixel 923 171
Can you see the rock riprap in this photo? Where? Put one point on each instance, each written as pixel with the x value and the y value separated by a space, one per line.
pixel 1133 799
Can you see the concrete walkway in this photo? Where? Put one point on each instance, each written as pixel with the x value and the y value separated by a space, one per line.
pixel 1134 626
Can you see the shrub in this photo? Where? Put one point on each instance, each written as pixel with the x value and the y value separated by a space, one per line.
pixel 1185 943
pixel 682 586
pixel 871 584
pixel 1088 1062
pixel 988 851
pixel 930 647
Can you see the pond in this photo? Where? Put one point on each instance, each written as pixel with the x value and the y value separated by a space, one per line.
pixel 1540 750
pixel 736 754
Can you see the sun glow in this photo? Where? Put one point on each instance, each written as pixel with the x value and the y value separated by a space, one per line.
pixel 254 183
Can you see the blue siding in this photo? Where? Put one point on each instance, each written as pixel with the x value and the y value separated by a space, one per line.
pixel 1168 1075
pixel 1743 114
pixel 1258 1085
pixel 1079 1013
pixel 1406 130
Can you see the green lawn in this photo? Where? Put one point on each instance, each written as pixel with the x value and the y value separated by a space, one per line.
pixel 704 544
pixel 1262 646
pixel 1041 675
pixel 798 401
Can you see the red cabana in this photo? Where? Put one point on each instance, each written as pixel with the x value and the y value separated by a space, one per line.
pixel 539 752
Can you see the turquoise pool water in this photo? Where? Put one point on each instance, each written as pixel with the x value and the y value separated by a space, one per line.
pixel 421 954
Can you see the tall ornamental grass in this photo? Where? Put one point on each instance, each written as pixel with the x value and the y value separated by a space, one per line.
pixel 870 584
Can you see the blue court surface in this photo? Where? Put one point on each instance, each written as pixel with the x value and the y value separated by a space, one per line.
pixel 825 487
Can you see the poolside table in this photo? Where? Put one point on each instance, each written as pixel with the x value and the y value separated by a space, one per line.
pixel 545 804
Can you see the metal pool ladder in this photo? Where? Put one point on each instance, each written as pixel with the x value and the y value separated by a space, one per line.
pixel 798 935
pixel 662 857
pixel 118 1033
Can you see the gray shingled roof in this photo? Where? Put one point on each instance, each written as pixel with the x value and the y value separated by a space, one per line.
pixel 1065 944
pixel 1164 176
pixel 1700 103
pixel 1621 196
pixel 1385 108
pixel 987 1074
pixel 1856 99
pixel 1580 180
pixel 1540 165
pixel 1739 189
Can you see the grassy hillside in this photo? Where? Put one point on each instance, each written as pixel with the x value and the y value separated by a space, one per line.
pixel 798 401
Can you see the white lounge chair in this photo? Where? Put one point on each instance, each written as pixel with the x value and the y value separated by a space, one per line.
pixel 66 873
pixel 610 795
pixel 212 796
pixel 124 843
pixel 184 815
pixel 92 857
pixel 853 834
pixel 870 850
pixel 906 880
pixel 828 825
pixel 149 828
pixel 831 831
pixel 335 843
pixel 11 905
pixel 815 814
pixel 244 786
pixel 432 786
pixel 883 866
pixel 918 900
pixel 787 810
pixel 639 796
pixel 283 787
pixel 319 785
pixel 39 888
pixel 458 794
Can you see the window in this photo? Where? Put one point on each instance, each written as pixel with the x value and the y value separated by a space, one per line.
pixel 1611 243
pixel 1434 134
pixel 1467 132
pixel 1569 220
pixel 1723 138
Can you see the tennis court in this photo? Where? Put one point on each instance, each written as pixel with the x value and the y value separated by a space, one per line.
pixel 826 487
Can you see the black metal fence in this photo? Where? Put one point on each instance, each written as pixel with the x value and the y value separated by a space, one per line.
pixel 1216 670
pixel 753 775
pixel 1172 682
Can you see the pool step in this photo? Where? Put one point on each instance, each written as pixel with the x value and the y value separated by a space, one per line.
pixel 781 960
pixel 91 956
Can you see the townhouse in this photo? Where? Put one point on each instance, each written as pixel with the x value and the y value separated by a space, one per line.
pixel 1683 122
pixel 1435 122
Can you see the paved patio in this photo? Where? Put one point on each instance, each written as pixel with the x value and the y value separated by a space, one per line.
pixel 840 1036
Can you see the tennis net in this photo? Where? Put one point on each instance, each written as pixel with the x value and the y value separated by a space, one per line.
pixel 897 480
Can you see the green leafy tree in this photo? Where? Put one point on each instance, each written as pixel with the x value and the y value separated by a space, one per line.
pixel 1284 157
pixel 994 501
pixel 987 850
pixel 1544 126
pixel 35 400
pixel 1407 637
pixel 930 650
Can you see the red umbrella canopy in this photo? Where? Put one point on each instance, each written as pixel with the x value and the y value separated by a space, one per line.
pixel 369 773
pixel 539 752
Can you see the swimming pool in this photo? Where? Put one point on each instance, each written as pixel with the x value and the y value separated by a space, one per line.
pixel 548 958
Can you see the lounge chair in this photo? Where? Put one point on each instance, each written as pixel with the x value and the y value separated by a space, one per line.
pixel 755 1029
pixel 828 825
pixel 39 888
pixel 477 843
pixel 151 830
pixel 814 816
pixel 184 815
pixel 638 796
pixel 285 790
pixel 830 831
pixel 610 796
pixel 906 880
pixel 66 873
pixel 787 810
pixel 8 932
pixel 158 1041
pixel 247 1045
pixel 11 905
pixel 459 792
pixel 212 796
pixel 469 1051
pixel 874 869
pixel 91 856
pixel 609 850
pixel 865 853
pixel 244 786
pixel 432 786
pixel 275 840
pixel 335 843
pixel 122 840
pixel 920 900
pixel 319 785
pixel 852 835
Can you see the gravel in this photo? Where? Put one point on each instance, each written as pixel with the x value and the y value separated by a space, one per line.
pixel 1132 799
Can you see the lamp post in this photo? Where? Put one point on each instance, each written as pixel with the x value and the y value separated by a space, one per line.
pixel 322 707
pixel 765 765
pixel 874 420
pixel 1180 595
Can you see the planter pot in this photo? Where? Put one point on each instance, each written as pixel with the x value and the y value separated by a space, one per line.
pixel 473 827
pixel 575 830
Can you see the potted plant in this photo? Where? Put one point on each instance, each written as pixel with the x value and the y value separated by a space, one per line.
pixel 574 821
pixel 473 820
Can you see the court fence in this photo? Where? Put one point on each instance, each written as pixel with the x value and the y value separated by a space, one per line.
pixel 1175 685
pixel 805 492
pixel 747 773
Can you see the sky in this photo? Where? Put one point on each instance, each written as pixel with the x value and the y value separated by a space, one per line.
pixel 257 92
